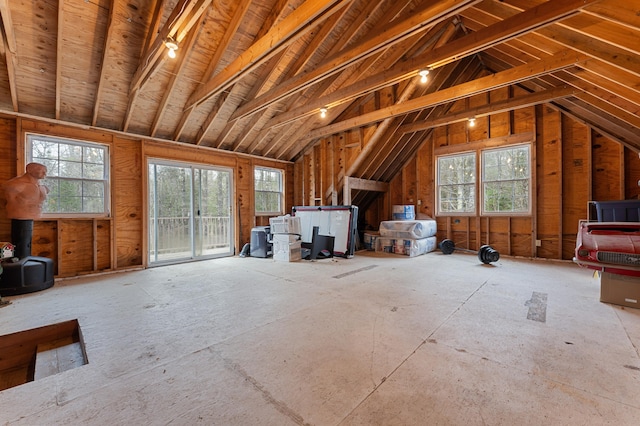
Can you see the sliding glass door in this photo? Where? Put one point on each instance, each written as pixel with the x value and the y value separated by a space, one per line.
pixel 189 212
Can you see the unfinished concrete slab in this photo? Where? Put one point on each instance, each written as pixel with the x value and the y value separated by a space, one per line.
pixel 373 339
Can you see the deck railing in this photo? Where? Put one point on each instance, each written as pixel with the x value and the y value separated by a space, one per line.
pixel 173 235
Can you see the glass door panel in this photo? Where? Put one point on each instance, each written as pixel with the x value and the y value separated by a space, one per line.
pixel 189 212
pixel 212 189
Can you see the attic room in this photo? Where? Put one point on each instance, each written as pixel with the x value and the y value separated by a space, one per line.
pixel 172 130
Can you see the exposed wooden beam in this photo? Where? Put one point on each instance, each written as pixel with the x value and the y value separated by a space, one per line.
pixel 236 20
pixel 183 17
pixel 492 108
pixel 175 77
pixel 9 59
pixel 501 79
pixel 374 161
pixel 277 14
pixel 575 38
pixel 369 66
pixel 430 14
pixel 510 28
pixel 7 24
pixel 280 35
pixel 174 27
pixel 8 50
pixel 59 52
pixel 105 50
pixel 366 184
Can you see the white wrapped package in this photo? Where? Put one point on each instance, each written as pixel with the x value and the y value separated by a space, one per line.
pixel 412 229
pixel 408 247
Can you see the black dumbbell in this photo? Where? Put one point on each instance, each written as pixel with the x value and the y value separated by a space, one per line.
pixel 486 254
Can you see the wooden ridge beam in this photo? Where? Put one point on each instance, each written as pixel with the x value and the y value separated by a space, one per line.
pixel 515 75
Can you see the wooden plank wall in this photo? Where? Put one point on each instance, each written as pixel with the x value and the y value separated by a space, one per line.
pixel 97 244
pixel 572 165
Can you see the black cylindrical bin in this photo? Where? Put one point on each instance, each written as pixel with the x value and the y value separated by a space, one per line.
pixel 21 233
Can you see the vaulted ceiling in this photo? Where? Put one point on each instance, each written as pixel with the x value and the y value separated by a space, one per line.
pixel 251 76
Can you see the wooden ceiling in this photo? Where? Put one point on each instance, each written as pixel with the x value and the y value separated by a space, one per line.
pixel 251 76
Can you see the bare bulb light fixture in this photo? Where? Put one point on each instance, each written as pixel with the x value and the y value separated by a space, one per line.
pixel 172 45
pixel 472 122
pixel 323 112
pixel 423 76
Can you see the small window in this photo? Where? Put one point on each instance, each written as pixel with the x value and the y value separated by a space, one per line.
pixel 77 174
pixel 269 192
pixel 506 180
pixel 456 183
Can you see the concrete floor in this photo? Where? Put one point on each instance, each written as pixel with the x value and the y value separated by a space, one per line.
pixel 372 340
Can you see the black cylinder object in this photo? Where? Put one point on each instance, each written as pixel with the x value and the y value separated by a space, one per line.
pixel 21 233
pixel 447 246
pixel 488 254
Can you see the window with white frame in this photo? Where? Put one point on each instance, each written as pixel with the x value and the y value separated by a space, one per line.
pixel 456 183
pixel 268 191
pixel 506 180
pixel 77 174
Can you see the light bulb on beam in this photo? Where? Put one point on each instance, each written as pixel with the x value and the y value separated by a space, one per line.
pixel 423 76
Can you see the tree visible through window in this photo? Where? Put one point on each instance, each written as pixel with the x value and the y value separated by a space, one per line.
pixel 505 180
pixel 268 191
pixel 77 174
pixel 456 183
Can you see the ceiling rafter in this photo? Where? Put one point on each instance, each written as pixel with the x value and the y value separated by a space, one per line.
pixel 182 18
pixel 7 25
pixel 274 18
pixel 347 76
pixel 569 38
pixel 429 14
pixel 59 51
pixel 273 66
pixel 381 130
pixel 496 107
pixel 369 66
pixel 108 40
pixel 385 157
pixel 502 31
pixel 179 71
pixel 501 79
pixel 279 36
pixel 8 50
pixel 231 30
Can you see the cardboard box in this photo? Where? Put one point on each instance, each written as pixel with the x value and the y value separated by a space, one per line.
pixel 287 248
pixel 620 289
pixel 403 212
pixel 408 247
pixel 369 240
pixel 285 225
